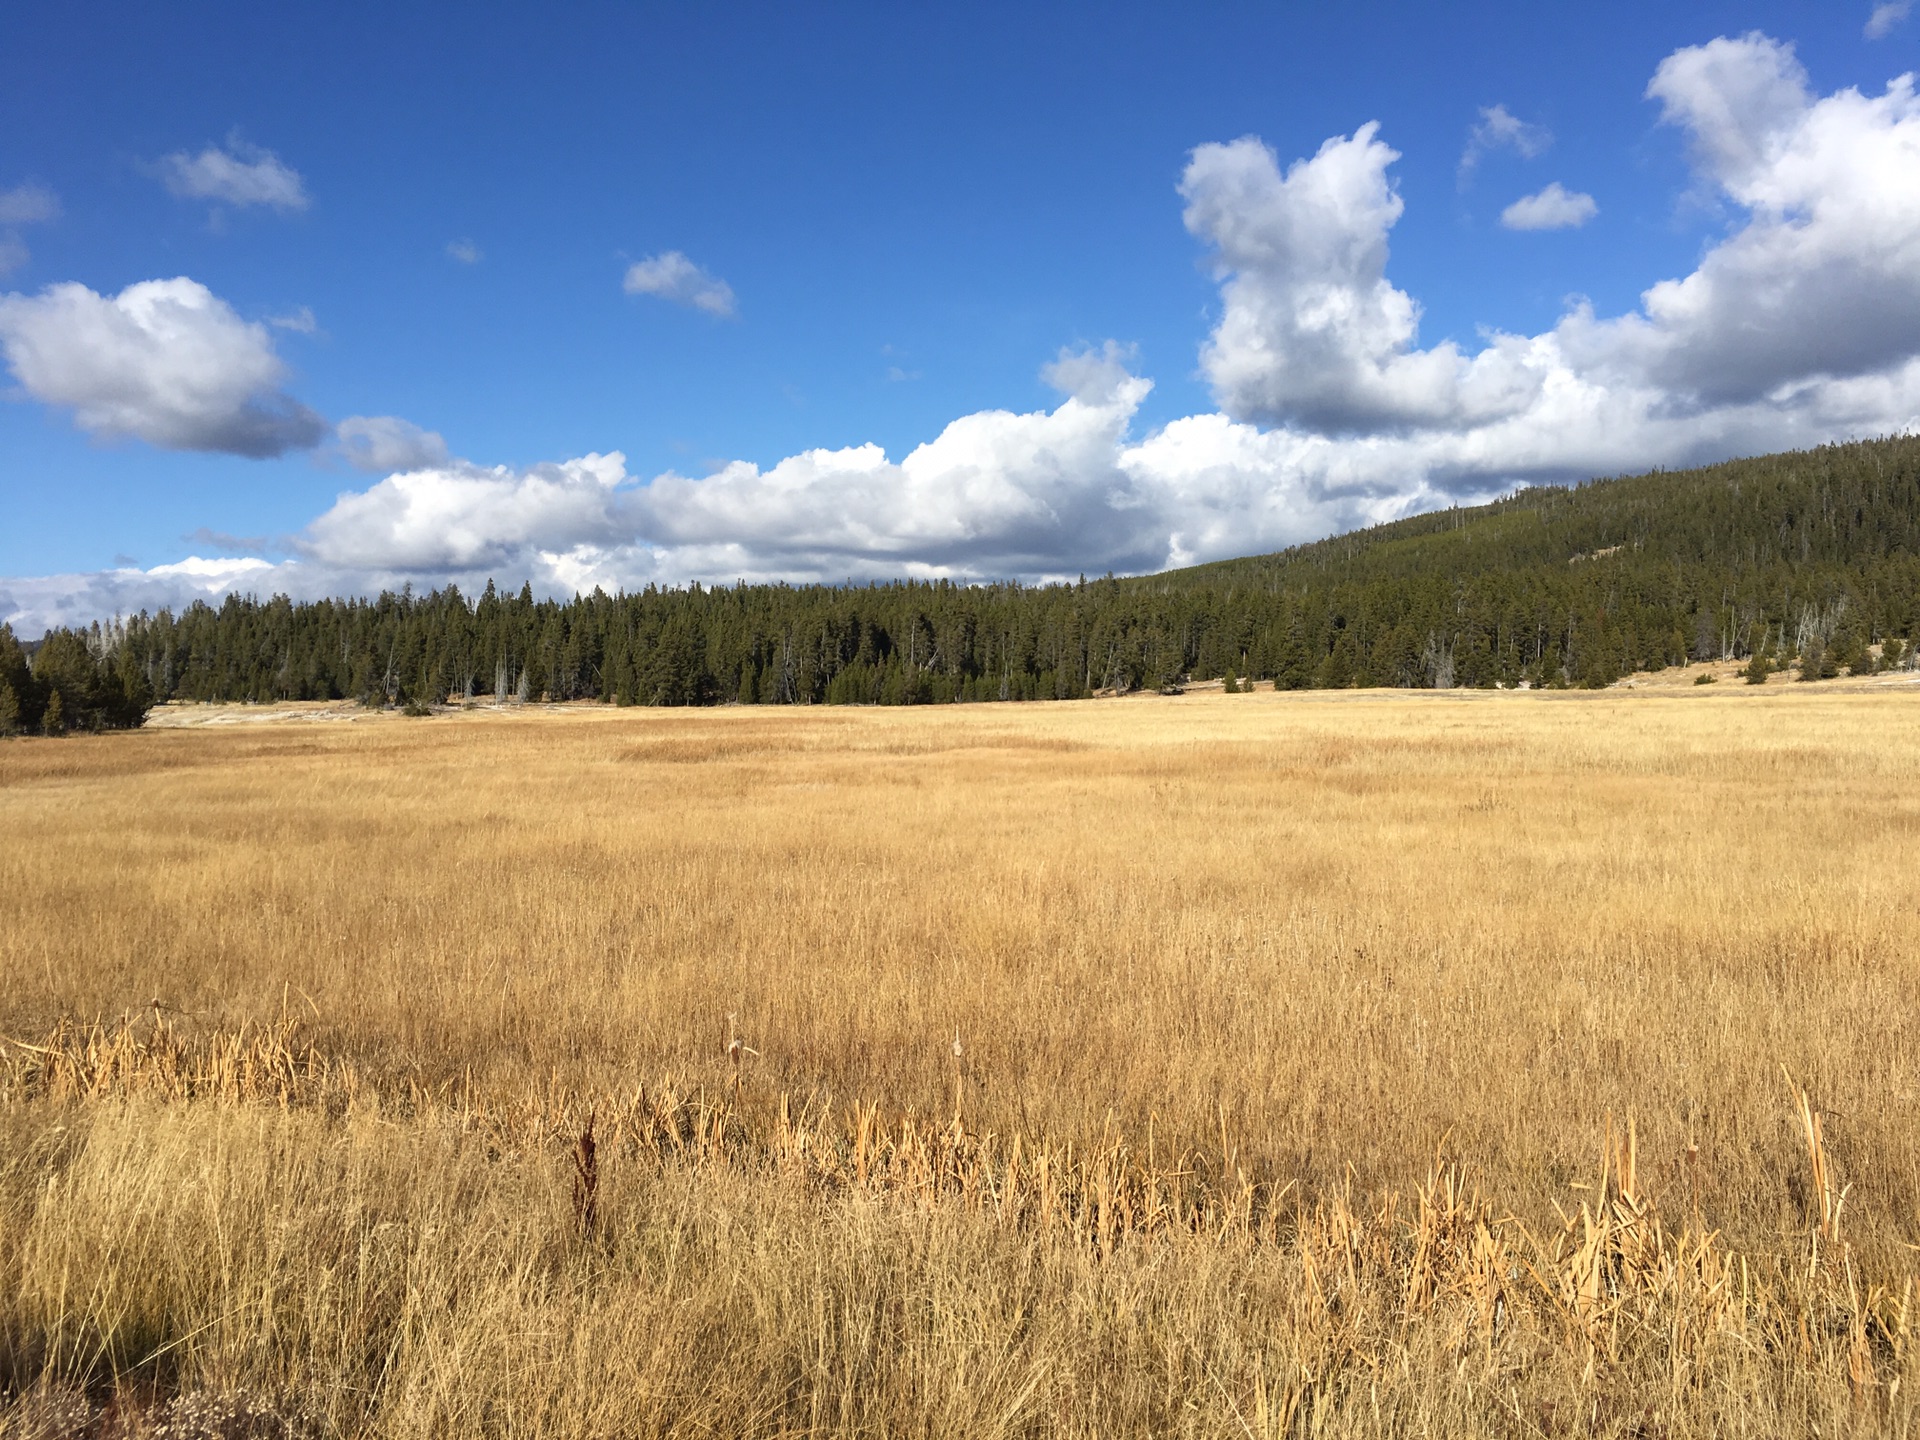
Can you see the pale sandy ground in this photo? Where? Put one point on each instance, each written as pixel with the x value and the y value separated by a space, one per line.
pixel 191 714
pixel 1733 672
pixel 187 714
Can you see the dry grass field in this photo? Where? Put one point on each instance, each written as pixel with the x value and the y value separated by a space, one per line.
pixel 1361 1063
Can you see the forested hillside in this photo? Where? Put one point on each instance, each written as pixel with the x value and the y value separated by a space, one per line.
pixel 1813 556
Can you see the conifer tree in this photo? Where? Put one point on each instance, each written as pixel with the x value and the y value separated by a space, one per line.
pixel 1849 649
pixel 1557 585
pixel 1336 671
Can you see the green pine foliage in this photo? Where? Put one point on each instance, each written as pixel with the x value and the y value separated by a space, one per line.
pixel 1553 586
pixel 20 700
pixel 73 680
pixel 94 688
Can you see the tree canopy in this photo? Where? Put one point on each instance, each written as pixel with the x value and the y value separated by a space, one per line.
pixel 1554 585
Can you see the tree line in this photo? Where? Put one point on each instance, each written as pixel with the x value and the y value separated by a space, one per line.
pixel 1768 560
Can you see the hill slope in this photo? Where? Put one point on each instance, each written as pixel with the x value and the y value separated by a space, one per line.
pixel 1584 584
pixel 1812 556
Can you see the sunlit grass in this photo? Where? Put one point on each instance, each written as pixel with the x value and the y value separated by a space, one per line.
pixel 1302 945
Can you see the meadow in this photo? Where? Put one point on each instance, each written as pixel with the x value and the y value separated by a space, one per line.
pixel 1357 1063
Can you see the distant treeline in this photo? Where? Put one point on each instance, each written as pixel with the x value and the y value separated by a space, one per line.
pixel 1814 554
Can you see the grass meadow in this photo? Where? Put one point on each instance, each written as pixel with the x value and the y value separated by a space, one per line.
pixel 1265 1065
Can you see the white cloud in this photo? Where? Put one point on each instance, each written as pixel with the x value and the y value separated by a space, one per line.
pixel 672 276
pixel 165 361
pixel 28 205
pixel 1823 279
pixel 22 205
pixel 1313 333
pixel 32 606
pixel 383 444
pixel 1047 493
pixel 1821 282
pixel 1739 100
pixel 1500 129
pixel 1801 325
pixel 299 321
pixel 1094 376
pixel 1885 18
pixel 993 493
pixel 237 174
pixel 463 518
pixel 465 251
pixel 1554 208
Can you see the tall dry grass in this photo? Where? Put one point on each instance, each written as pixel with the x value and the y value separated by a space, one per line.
pixel 1326 1019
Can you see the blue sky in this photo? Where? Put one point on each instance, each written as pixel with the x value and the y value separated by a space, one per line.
pixel 903 217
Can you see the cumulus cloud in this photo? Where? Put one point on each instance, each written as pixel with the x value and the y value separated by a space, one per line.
pixel 994 492
pixel 672 276
pixel 1044 493
pixel 1739 101
pixel 1499 129
pixel 1313 332
pixel 1554 208
pixel 1094 376
pixel 32 606
pixel 1800 325
pixel 165 361
pixel 1882 22
pixel 1820 283
pixel 237 174
pixel 461 517
pixel 1823 279
pixel 383 444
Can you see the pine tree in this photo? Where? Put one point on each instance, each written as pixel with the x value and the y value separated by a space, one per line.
pixel 9 710
pixel 53 722
pixel 1849 651
pixel 1291 672
pixel 1719 555
pixel 1336 671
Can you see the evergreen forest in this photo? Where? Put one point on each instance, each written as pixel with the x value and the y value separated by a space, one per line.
pixel 1809 559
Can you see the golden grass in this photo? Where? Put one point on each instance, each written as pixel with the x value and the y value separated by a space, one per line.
pixel 1295 1033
